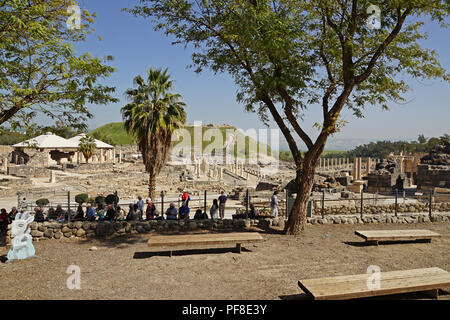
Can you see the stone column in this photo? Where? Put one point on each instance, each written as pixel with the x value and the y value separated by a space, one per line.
pixel 368 165
pixel 52 177
pixel 5 165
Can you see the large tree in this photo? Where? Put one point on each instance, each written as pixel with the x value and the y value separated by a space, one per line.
pixel 153 114
pixel 40 71
pixel 288 56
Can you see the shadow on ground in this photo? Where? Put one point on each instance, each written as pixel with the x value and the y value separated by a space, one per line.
pixel 166 253
pixel 369 244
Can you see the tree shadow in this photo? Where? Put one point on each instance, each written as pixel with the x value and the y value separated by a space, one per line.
pixel 185 252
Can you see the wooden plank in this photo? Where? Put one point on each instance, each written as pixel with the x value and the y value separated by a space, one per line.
pixel 393 235
pixel 203 239
pixel 392 282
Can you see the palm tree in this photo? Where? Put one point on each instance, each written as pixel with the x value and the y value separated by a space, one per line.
pixel 153 114
pixel 87 147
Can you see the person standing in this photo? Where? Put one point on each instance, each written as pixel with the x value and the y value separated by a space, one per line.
pixel 185 197
pixel 222 200
pixel 140 205
pixel 274 204
pixel 149 209
pixel 3 226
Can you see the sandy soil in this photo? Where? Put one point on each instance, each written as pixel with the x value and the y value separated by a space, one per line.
pixel 127 269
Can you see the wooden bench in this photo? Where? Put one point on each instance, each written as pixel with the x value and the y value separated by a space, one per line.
pixel 392 282
pixel 374 236
pixel 204 239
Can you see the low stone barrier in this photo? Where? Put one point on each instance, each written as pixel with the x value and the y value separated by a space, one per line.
pixel 79 229
pixel 380 209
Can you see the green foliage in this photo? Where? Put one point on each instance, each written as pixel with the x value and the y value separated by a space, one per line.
pixel 381 149
pixel 81 198
pixel 40 72
pixel 113 133
pixel 289 56
pixel 8 137
pixel 112 199
pixel 87 147
pixel 100 200
pixel 42 202
pixel 151 117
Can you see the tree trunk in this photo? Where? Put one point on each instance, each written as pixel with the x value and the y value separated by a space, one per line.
pixel 151 185
pixel 304 180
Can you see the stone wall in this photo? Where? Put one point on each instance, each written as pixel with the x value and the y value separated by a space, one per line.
pixel 54 230
pixel 388 208
pixel 26 171
pixel 431 176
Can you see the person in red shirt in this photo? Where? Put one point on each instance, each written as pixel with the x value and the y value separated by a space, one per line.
pixel 149 209
pixel 185 198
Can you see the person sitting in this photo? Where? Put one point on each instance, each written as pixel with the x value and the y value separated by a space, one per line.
pixel 171 212
pixel 80 213
pixel 183 212
pixel 12 215
pixel 90 213
pixel 110 213
pixel 252 213
pixel 22 215
pixel 133 214
pixel 199 215
pixel 214 211
pixel 38 215
pixel 61 215
pixel 51 214
pixel 120 213
pixel 100 213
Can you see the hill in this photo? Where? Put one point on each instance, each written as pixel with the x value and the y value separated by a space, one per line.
pixel 114 133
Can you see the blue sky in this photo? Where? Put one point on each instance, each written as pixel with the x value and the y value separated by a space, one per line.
pixel 211 98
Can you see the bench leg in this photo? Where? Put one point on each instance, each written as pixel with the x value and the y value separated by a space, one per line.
pixel 238 247
pixel 170 253
pixel 434 294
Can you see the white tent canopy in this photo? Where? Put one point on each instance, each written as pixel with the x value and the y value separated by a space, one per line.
pixel 99 144
pixel 47 141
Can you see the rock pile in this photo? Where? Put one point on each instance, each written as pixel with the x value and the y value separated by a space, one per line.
pixel 386 166
pixel 439 155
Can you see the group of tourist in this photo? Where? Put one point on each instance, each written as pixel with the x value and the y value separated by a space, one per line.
pixel 141 210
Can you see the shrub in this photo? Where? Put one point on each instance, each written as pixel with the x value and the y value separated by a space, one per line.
pixel 100 200
pixel 81 198
pixel 111 199
pixel 42 202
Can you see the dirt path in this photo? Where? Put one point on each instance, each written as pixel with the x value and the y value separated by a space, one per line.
pixel 128 269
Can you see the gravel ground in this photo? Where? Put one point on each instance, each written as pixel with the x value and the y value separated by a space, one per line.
pixel 125 268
